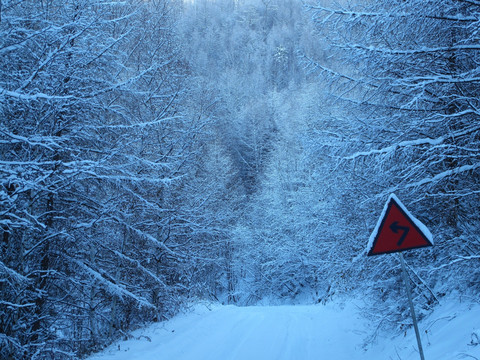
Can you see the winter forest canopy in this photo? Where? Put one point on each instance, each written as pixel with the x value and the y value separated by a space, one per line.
pixel 153 153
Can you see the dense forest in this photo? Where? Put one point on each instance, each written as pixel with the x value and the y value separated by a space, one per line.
pixel 155 153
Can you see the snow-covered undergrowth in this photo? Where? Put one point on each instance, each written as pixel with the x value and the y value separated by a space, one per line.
pixel 333 331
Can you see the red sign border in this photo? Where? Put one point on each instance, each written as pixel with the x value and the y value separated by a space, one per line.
pixel 412 222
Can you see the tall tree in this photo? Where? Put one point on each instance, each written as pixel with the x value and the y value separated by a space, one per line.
pixel 93 148
pixel 409 78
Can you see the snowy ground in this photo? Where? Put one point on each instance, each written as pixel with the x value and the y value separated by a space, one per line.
pixel 334 331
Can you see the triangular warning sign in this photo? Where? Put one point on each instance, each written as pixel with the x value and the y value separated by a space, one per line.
pixel 397 230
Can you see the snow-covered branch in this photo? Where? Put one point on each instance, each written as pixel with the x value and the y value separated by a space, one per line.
pixel 417 51
pixel 456 261
pixel 444 174
pixel 33 97
pixel 12 273
pixel 112 288
pixel 417 142
pixel 351 14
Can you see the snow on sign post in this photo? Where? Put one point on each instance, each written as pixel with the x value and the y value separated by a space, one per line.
pixel 398 230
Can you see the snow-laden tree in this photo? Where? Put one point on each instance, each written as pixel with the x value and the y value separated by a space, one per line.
pixel 292 239
pixel 93 149
pixel 247 58
pixel 245 52
pixel 407 73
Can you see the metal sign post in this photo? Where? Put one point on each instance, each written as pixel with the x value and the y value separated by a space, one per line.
pixel 406 280
pixel 398 230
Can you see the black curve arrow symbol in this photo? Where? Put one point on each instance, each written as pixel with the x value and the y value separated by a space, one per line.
pixel 395 228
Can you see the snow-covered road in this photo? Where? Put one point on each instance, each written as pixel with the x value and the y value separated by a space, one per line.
pixel 285 332
pixel 229 332
pixel 331 332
